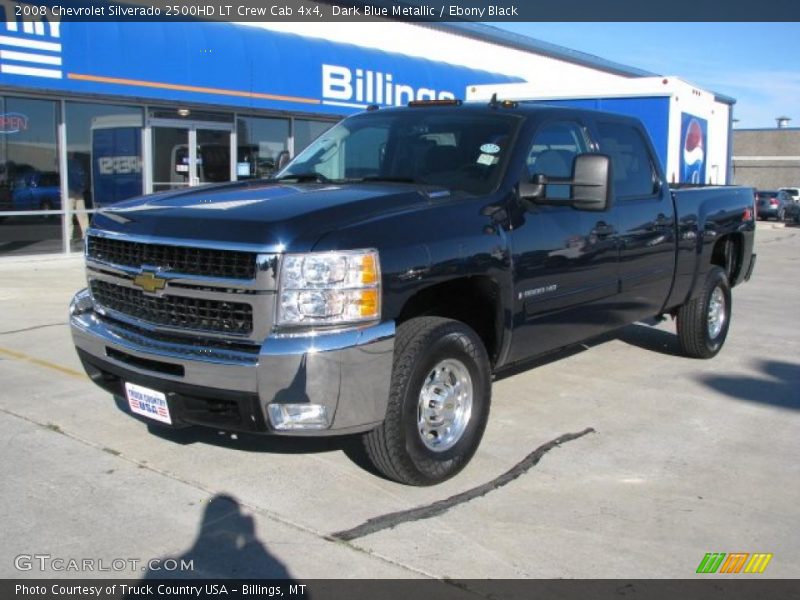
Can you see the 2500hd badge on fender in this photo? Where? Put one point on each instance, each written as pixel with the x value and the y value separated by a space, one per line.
pixel 399 262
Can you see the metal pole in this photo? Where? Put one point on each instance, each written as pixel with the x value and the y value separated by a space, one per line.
pixel 63 167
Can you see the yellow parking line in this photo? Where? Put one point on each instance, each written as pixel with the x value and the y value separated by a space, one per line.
pixel 42 363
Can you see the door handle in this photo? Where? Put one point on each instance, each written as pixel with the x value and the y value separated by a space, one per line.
pixel 602 229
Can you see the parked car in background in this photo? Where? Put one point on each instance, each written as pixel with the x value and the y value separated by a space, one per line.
pixel 37 190
pixel 772 204
pixel 792 212
pixel 792 191
pixel 10 173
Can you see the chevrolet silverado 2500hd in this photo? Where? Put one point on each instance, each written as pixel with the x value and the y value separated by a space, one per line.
pixel 385 275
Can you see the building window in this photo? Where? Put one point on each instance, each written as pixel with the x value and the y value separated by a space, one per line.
pixel 186 114
pixel 104 152
pixel 260 142
pixel 29 177
pixel 306 131
pixel 104 158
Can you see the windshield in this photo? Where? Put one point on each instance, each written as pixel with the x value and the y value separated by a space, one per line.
pixel 453 149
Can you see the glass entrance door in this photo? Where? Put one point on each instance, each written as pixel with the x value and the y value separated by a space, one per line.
pixel 170 168
pixel 213 164
pixel 188 153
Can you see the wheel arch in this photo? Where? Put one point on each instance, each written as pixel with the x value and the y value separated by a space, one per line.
pixel 473 300
pixel 728 253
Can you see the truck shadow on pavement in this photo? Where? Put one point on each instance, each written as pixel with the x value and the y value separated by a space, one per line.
pixel 226 547
pixel 779 387
pixel 350 445
pixel 640 335
pixel 649 338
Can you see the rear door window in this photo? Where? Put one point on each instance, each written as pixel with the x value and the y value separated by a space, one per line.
pixel 553 152
pixel 634 171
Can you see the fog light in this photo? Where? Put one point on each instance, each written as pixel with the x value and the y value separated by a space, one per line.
pixel 81 303
pixel 298 416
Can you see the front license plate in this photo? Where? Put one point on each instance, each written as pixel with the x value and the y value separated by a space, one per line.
pixel 147 402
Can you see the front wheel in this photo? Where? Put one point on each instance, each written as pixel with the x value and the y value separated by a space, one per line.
pixel 438 403
pixel 703 322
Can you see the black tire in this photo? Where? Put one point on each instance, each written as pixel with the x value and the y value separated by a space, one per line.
pixel 396 447
pixel 697 337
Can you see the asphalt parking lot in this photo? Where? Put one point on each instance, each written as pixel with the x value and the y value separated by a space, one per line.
pixel 683 458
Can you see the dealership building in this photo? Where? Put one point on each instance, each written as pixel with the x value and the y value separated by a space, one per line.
pixel 95 113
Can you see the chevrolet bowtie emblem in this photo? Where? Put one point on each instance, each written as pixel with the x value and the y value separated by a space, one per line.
pixel 149 282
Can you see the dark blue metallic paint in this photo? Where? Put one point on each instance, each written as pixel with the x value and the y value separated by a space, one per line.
pixel 560 275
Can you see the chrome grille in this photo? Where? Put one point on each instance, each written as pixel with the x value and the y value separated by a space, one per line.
pixel 175 311
pixel 231 264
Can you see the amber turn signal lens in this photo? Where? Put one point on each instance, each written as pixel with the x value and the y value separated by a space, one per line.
pixel 369 304
pixel 369 270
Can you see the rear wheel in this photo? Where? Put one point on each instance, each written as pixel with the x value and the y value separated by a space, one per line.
pixel 438 403
pixel 703 322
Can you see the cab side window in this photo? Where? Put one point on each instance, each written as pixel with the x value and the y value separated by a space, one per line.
pixel 554 148
pixel 634 172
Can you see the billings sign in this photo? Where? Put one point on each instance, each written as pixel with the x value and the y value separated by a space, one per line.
pixel 358 88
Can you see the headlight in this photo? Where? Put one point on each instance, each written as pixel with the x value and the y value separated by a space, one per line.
pixel 329 288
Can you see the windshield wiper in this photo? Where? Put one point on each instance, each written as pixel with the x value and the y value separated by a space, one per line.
pixel 301 177
pixel 310 176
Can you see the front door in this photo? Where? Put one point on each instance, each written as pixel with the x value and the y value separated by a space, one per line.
pixel 565 260
pixel 186 153
pixel 646 222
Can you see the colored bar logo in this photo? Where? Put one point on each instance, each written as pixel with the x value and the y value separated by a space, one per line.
pixel 735 562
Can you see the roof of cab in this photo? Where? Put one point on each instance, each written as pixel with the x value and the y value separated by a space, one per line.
pixel 523 109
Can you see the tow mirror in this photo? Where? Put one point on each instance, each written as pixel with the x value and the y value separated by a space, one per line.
pixel 591 182
pixel 533 192
pixel 590 185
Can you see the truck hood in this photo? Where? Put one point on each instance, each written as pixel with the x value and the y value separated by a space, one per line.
pixel 264 215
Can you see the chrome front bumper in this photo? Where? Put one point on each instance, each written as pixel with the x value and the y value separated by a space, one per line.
pixel 347 372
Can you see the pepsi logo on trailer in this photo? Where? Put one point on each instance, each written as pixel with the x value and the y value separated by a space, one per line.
pixel 694 133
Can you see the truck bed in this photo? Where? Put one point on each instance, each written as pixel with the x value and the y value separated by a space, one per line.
pixel 711 219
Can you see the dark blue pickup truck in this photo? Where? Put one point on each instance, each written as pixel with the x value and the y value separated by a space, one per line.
pixel 382 279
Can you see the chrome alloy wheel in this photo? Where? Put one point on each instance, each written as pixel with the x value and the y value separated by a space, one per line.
pixel 716 313
pixel 445 405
